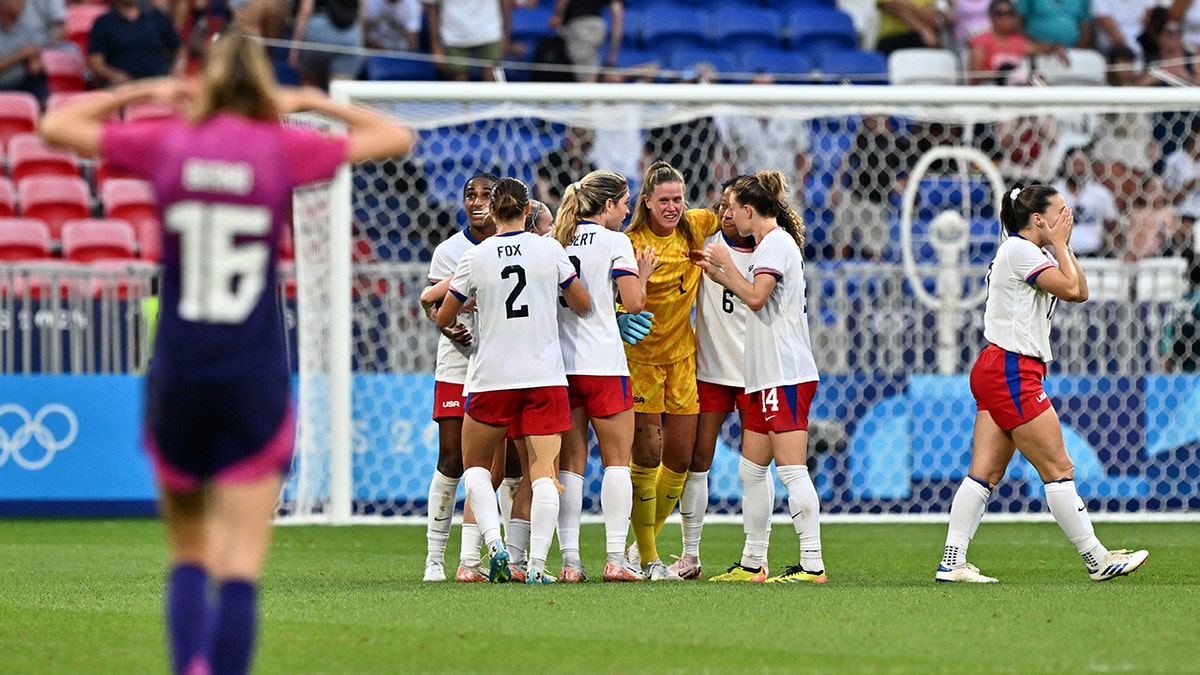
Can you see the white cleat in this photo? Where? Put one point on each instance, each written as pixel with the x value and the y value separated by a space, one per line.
pixel 657 571
pixel 1117 564
pixel 632 555
pixel 967 573
pixel 435 570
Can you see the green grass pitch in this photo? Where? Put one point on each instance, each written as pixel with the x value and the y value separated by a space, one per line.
pixel 86 596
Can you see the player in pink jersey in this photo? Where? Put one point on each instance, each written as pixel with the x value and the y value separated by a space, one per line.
pixel 219 424
pixel 1024 283
pixel 781 374
pixel 588 226
pixel 516 279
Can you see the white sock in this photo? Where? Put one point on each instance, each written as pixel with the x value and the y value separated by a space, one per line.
pixel 517 540
pixel 442 493
pixel 472 542
pixel 1071 514
pixel 692 506
pixel 570 508
pixel 616 502
pixel 806 514
pixel 543 514
pixel 967 509
pixel 508 490
pixel 756 511
pixel 483 502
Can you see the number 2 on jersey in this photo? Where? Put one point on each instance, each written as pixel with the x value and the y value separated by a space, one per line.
pixel 221 279
pixel 511 310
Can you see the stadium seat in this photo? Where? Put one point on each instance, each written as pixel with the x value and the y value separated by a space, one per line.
pixel 853 66
pixel 736 28
pixel 923 66
pixel 8 198
pixel 133 201
pixel 391 69
pixel 820 29
pixel 79 20
pixel 1083 67
pixel 1161 279
pixel 18 114
pixel 54 199
pixel 688 58
pixel 783 64
pixel 28 156
pixel 23 239
pixel 91 239
pixel 530 23
pixel 65 71
pixel 667 28
pixel 149 109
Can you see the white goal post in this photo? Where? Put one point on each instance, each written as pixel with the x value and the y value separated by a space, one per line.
pixel 891 428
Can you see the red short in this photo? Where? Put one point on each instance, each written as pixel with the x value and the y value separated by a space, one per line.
pixel 448 400
pixel 540 411
pixel 780 409
pixel 1008 387
pixel 722 398
pixel 600 395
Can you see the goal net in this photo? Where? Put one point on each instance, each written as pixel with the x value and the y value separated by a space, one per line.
pixel 900 190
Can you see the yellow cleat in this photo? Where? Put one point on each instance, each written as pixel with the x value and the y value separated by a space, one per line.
pixel 738 573
pixel 797 575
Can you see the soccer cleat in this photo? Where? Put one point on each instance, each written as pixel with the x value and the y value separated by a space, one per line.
pixel 537 576
pixel 967 573
pixel 572 574
pixel 797 575
pixel 435 570
pixel 1118 563
pixel 738 573
pixel 471 574
pixel 686 566
pixel 657 571
pixel 617 572
pixel 498 565
pixel 632 555
pixel 519 574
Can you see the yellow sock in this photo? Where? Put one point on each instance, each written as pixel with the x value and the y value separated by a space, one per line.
pixel 668 486
pixel 642 516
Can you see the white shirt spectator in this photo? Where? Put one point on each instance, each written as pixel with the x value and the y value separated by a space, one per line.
pixel 1130 18
pixel 469 23
pixel 1094 206
pixel 1181 169
pixel 392 24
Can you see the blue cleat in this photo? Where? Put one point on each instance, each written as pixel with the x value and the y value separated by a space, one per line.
pixel 537 576
pixel 498 565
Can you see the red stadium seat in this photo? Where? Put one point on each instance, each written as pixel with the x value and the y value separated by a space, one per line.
pixel 8 198
pixel 28 156
pixel 133 201
pixel 78 23
pixel 65 71
pixel 54 199
pixel 92 239
pixel 23 239
pixel 18 114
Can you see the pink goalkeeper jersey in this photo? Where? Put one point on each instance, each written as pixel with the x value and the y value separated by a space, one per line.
pixel 224 192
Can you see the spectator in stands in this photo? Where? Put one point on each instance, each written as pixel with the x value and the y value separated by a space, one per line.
pixel 563 166
pixel 1119 23
pixel 337 24
pixel 1181 177
pixel 970 18
pixel 459 30
pixel 1187 12
pixel 47 18
pixel 908 23
pixel 1023 148
pixel 690 146
pixel 20 52
pixel 1005 46
pixel 1168 61
pixel 766 143
pixel 1094 207
pixel 1180 345
pixel 582 28
pixel 268 18
pixel 1067 23
pixel 1153 224
pixel 132 41
pixel 393 24
pixel 873 172
pixel 1123 68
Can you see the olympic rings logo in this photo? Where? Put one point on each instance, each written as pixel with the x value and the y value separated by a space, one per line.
pixel 35 428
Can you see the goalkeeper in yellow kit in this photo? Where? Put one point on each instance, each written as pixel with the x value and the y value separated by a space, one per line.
pixel 662 367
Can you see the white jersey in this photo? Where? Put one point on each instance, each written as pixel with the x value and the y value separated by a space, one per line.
pixel 1016 317
pixel 721 324
pixel 591 344
pixel 778 348
pixel 451 356
pixel 516 279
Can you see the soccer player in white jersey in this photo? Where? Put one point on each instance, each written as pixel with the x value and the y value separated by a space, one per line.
pixel 516 376
pixel 449 401
pixel 720 352
pixel 781 375
pixel 1024 283
pixel 588 226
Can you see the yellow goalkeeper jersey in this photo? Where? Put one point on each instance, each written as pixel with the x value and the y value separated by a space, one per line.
pixel 671 292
